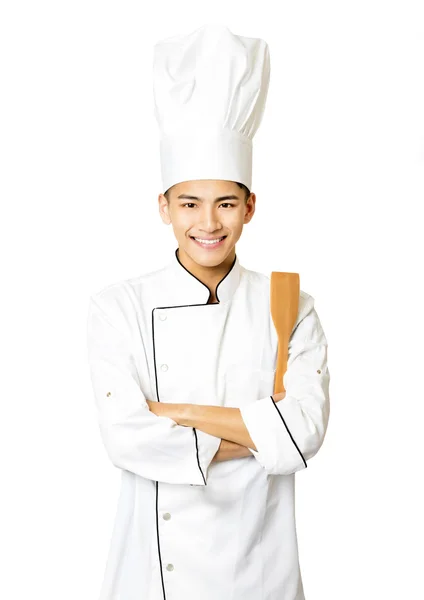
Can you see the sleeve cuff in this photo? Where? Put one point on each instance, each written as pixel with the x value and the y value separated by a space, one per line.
pixel 206 447
pixel 272 438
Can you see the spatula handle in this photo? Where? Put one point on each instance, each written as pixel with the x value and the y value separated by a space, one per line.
pixel 282 357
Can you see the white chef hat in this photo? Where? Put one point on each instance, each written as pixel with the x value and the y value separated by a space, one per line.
pixel 210 90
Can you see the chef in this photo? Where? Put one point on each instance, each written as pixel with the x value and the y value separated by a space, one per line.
pixel 183 359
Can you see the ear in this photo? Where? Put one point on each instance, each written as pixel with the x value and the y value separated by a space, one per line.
pixel 164 209
pixel 250 208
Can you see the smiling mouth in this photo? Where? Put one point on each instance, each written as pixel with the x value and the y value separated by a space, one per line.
pixel 208 242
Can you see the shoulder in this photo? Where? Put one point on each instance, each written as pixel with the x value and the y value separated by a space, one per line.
pixel 120 298
pixel 307 321
pixel 124 287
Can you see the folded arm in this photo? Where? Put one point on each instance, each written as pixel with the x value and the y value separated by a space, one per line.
pixel 136 440
pixel 289 433
pixel 281 435
pixel 220 421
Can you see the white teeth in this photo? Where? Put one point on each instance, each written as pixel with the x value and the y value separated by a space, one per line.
pixel 208 241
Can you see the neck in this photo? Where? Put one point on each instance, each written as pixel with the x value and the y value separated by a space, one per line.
pixel 210 276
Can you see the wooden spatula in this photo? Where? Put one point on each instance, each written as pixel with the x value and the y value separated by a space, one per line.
pixel 284 301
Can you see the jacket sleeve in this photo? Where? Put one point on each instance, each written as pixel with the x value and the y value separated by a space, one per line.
pixel 135 438
pixel 289 432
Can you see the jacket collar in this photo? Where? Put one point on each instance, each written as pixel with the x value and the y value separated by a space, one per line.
pixel 188 289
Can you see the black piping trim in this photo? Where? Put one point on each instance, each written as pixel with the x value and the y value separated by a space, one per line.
pixel 157 482
pixel 197 454
pixel 157 535
pixel 216 289
pixel 157 393
pixel 273 401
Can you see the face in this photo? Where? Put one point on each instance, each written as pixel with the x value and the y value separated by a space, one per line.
pixel 207 209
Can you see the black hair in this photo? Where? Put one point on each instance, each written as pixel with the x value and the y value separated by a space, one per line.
pixel 246 190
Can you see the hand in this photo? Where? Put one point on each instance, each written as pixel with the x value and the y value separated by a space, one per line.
pixel 279 396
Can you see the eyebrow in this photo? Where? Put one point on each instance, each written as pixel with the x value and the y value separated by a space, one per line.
pixel 220 199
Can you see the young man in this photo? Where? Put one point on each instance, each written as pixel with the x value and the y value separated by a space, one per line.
pixel 183 361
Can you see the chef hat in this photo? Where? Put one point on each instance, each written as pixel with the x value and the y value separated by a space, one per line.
pixel 210 90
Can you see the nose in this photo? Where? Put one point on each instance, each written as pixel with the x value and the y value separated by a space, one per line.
pixel 210 220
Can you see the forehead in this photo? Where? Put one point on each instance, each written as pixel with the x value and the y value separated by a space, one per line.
pixel 206 187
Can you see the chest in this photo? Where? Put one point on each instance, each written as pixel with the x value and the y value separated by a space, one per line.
pixel 216 354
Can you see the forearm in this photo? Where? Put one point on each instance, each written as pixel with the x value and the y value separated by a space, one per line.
pixel 223 422
pixel 229 450
pixel 220 421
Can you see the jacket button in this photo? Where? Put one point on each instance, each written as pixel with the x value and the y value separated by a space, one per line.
pixel 166 516
pixel 169 567
pixel 319 371
pixel 108 394
pixel 162 316
pixel 164 367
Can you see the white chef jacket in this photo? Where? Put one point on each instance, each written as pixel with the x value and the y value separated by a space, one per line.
pixel 187 528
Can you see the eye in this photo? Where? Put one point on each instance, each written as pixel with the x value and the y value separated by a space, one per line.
pixel 222 204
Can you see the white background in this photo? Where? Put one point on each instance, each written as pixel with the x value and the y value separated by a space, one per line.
pixel 338 175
